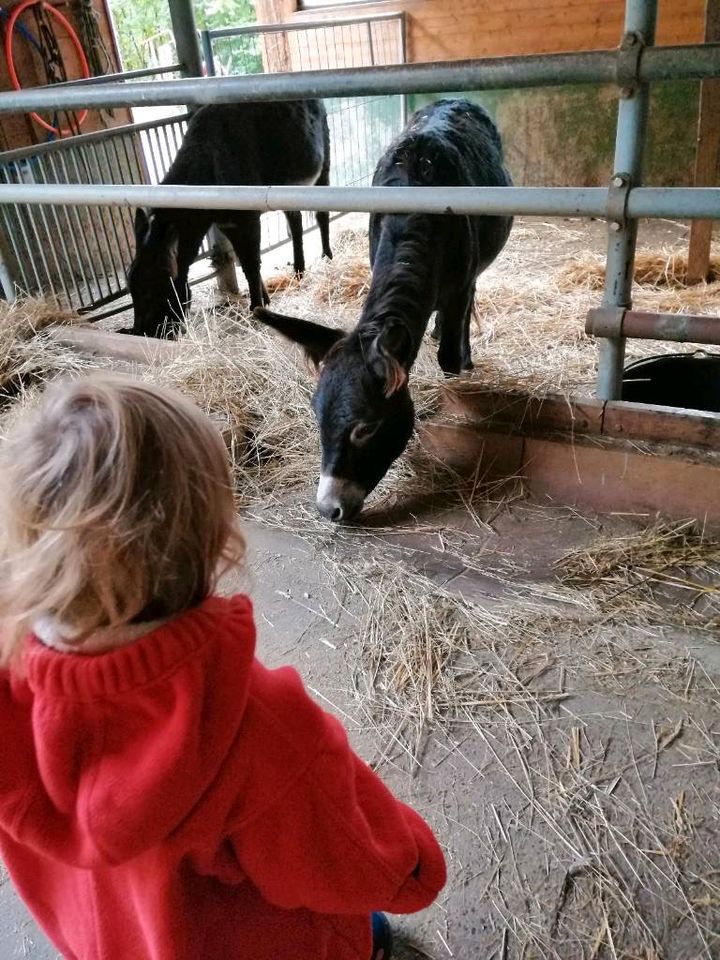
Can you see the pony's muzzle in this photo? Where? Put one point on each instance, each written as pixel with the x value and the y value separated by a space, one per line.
pixel 339 499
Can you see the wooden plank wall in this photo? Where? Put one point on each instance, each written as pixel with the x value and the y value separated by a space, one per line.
pixel 553 136
pixel 458 29
pixel 19 130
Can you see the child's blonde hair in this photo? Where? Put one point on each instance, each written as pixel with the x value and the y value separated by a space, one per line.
pixel 116 506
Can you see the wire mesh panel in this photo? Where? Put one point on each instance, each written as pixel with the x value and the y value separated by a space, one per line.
pixel 80 254
pixel 360 127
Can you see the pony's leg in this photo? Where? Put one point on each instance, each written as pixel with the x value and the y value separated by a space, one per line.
pixel 467 363
pixel 454 346
pixel 294 219
pixel 244 235
pixel 322 216
pixel 191 236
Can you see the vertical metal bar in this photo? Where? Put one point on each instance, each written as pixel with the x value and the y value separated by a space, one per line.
pixel 185 32
pixel 76 155
pixel 136 170
pixel 117 146
pixel 34 167
pixel 58 235
pixel 329 63
pixel 117 249
pixel 170 153
pixel 153 168
pixel 127 175
pixel 404 98
pixel 81 229
pixel 40 246
pixel 370 43
pixel 78 262
pixel 208 55
pixel 6 281
pixel 640 21
pixel 104 213
pixel 706 155
pixel 11 234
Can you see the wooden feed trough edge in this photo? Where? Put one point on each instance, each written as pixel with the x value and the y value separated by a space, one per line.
pixel 608 456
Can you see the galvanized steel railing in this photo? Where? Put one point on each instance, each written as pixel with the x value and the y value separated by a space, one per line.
pixel 80 252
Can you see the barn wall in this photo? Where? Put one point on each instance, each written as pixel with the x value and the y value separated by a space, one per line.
pixel 554 135
pixel 457 29
pixel 19 130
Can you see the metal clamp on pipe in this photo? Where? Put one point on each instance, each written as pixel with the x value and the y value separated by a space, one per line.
pixel 617 201
pixel 605 321
pixel 627 71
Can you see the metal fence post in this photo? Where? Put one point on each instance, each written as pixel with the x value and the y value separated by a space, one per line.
pixel 189 54
pixel 404 102
pixel 182 17
pixel 640 21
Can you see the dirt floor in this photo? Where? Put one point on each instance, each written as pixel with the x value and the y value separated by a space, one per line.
pixel 544 686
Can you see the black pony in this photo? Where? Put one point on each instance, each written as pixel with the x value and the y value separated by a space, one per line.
pixel 229 144
pixel 420 264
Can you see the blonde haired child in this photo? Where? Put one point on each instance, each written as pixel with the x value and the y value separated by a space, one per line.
pixel 163 796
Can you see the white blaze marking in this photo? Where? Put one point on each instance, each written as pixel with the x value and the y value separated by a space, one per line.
pixel 336 490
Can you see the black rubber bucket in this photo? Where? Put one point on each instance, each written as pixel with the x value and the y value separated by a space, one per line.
pixel 687 380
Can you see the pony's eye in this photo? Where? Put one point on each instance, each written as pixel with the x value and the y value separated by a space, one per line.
pixel 362 432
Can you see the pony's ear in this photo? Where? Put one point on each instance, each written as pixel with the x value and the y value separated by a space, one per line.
pixel 315 338
pixel 141 225
pixel 388 356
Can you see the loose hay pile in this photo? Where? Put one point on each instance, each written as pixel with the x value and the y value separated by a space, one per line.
pixel 528 336
pixel 669 571
pixel 665 269
pixel 20 322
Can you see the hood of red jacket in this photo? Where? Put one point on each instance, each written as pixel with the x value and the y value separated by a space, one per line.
pixel 106 756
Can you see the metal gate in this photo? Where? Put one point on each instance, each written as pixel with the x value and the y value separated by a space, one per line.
pixel 360 127
pixel 80 254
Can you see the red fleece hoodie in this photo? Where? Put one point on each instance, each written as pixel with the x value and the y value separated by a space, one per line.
pixel 175 800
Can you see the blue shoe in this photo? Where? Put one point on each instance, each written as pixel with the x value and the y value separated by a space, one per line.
pixel 382 937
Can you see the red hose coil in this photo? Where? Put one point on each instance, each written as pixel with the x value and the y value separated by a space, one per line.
pixel 64 22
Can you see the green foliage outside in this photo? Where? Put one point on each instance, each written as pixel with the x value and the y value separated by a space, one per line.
pixel 143 29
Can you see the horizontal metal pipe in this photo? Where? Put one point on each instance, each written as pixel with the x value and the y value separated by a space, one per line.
pixel 556 69
pixel 620 323
pixel 71 144
pixel 115 77
pixel 678 327
pixel 253 28
pixel 572 201
pixel 696 203
pixel 679 202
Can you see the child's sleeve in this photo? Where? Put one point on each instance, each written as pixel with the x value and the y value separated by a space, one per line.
pixel 334 839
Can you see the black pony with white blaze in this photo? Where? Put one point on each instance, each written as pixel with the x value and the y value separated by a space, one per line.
pixel 227 144
pixel 421 263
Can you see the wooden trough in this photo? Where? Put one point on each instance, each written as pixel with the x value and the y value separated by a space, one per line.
pixel 610 456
